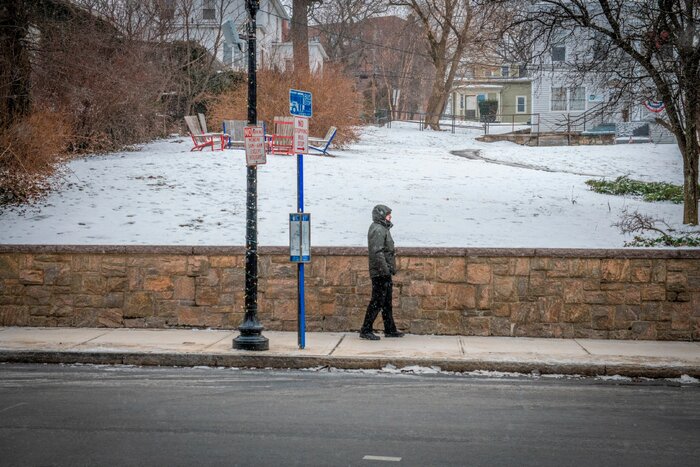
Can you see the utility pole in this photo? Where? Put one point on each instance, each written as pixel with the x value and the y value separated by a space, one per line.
pixel 251 337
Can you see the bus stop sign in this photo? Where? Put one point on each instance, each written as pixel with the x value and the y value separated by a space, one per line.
pixel 300 103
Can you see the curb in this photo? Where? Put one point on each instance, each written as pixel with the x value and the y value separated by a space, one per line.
pixel 657 370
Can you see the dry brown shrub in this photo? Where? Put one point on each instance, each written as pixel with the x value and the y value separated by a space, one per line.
pixel 336 102
pixel 30 150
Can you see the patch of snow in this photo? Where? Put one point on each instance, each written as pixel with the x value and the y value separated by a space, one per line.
pixel 165 194
pixel 685 379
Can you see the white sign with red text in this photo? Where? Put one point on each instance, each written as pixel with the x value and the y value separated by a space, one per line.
pixel 254 137
pixel 301 135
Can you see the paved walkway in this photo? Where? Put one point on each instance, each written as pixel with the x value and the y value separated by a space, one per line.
pixel 190 347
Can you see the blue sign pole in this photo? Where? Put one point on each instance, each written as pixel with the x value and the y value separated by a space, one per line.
pixel 301 312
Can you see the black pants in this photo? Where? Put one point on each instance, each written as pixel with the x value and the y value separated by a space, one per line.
pixel 382 289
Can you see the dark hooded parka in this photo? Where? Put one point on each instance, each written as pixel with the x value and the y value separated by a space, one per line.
pixel 382 261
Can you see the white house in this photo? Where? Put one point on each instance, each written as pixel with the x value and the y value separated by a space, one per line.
pixel 563 100
pixel 220 26
pixel 282 55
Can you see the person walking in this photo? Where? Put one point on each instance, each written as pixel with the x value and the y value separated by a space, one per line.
pixel 382 265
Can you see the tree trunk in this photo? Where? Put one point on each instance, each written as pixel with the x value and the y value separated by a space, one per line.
pixel 691 152
pixel 299 32
pixel 14 56
pixel 436 101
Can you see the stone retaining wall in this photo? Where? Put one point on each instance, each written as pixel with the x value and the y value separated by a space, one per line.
pixel 620 294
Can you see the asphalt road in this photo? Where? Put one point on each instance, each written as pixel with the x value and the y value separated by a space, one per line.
pixel 104 416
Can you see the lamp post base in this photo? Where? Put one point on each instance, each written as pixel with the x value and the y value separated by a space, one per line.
pixel 251 343
pixel 251 337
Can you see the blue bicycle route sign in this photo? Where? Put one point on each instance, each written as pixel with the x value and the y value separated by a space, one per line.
pixel 300 103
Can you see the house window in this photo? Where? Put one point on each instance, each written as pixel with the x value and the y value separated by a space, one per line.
pixel 208 10
pixel 558 99
pixel 577 98
pixel 558 53
pixel 522 71
pixel 505 71
pixel 461 101
pixel 520 104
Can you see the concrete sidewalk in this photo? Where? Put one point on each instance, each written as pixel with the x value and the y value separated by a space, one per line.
pixel 190 347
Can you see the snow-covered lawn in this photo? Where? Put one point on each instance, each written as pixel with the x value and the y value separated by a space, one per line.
pixel 165 194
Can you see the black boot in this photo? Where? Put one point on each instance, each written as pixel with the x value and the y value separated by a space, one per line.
pixel 369 335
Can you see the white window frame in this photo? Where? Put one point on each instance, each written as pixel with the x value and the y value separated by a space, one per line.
pixel 571 95
pixel 209 6
pixel 505 68
pixel 558 46
pixel 566 99
pixel 524 98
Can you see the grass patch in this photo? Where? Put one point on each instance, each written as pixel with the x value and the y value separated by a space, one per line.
pixel 665 240
pixel 650 191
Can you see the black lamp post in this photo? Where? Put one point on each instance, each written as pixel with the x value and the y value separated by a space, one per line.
pixel 251 337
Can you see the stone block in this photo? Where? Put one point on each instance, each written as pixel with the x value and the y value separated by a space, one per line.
pixel 422 326
pixel 525 313
pixel 114 300
pixel 576 313
pixel 9 266
pixel 194 266
pixel 484 297
pixel 653 292
pixel 479 273
pixel 86 263
pixel 676 281
pixel 31 277
pixel 658 271
pixel 460 296
pixel 449 322
pixel 422 268
pixel 158 283
pixel 433 303
pixel 451 269
pixel 558 267
pixel 208 279
pixel 234 279
pixel 501 309
pixel 476 326
pixel 624 316
pixel 183 288
pixel 521 267
pixel 550 309
pixel 574 292
pixel 113 266
pixel 139 305
pixel 680 316
pixel 641 274
pixel 284 310
pixel 419 288
pixel 650 311
pixel 504 289
pixel 500 327
pixel 602 317
pixel 14 315
pixel 615 270
pixel 537 284
pixel 223 261
pixel 205 296
pixel 643 330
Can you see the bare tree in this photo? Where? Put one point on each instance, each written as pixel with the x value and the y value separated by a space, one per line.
pixel 451 27
pixel 341 22
pixel 299 32
pixel 646 49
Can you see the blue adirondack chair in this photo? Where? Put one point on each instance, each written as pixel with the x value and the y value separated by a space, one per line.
pixel 322 144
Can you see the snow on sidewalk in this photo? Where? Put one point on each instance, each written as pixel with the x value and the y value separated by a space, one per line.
pixel 165 194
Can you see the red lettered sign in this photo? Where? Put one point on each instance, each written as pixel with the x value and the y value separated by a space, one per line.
pixel 301 135
pixel 254 138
